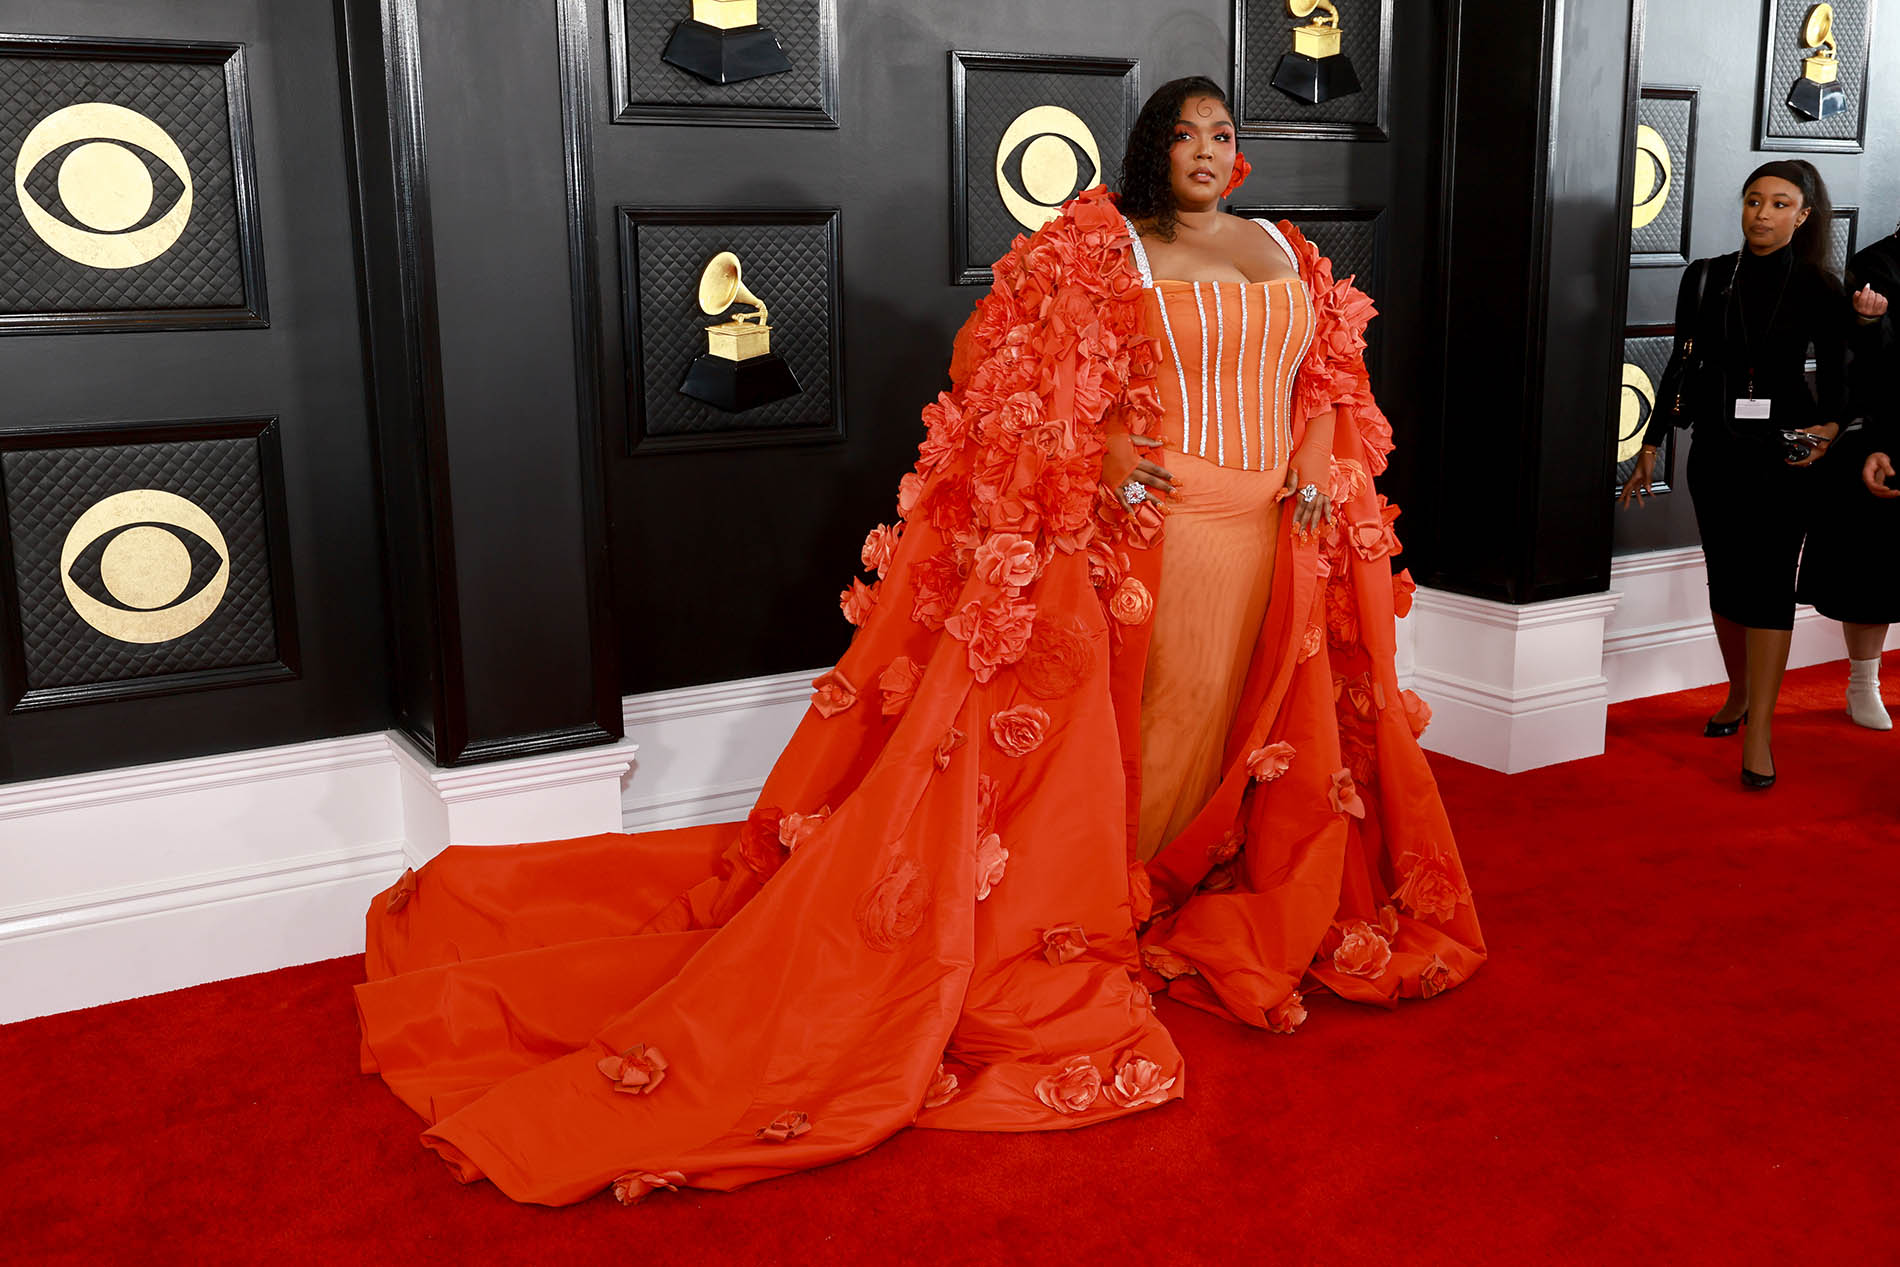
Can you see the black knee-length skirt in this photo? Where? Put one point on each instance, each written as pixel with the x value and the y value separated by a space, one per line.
pixel 1752 510
pixel 1850 569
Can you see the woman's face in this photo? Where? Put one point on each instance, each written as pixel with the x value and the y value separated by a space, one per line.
pixel 1772 210
pixel 1201 155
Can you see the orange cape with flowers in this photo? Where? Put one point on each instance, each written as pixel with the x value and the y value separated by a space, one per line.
pixel 933 916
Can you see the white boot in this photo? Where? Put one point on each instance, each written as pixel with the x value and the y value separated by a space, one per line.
pixel 1863 695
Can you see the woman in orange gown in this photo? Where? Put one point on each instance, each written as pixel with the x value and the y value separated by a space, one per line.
pixel 1087 744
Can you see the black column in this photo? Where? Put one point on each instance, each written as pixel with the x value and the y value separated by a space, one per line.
pixel 470 169
pixel 1515 495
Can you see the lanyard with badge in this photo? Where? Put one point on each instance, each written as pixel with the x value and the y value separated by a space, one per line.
pixel 1748 408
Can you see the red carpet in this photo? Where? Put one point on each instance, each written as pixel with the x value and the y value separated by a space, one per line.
pixel 1682 1050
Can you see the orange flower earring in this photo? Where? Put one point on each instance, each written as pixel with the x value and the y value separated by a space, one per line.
pixel 1242 169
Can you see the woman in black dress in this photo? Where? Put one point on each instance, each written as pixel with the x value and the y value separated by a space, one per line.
pixel 1847 570
pixel 1744 325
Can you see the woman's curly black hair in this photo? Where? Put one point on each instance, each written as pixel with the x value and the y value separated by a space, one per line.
pixel 1147 192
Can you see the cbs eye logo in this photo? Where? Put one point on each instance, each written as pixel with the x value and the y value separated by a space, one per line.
pixel 144 566
pixel 1046 157
pixel 103 185
pixel 1654 176
pixel 1639 402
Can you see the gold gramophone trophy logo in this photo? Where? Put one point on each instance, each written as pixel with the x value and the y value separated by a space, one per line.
pixel 723 43
pixel 1817 94
pixel 738 370
pixel 1315 70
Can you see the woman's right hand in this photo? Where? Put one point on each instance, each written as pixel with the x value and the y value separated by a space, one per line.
pixel 1875 473
pixel 1637 485
pixel 1143 470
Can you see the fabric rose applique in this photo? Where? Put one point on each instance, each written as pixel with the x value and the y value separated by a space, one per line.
pixel 1018 731
pixel 1344 795
pixel 1434 978
pixel 951 741
pixel 856 602
pixel 1055 661
pixel 1132 604
pixel 1165 962
pixel 1073 1089
pixel 783 1127
pixel 991 860
pixel 1138 1081
pixel 637 1071
pixel 1362 951
pixel 898 684
pixel 1006 558
pixel 1064 942
pixel 832 694
pixel 890 912
pixel 879 547
pixel 1286 1016
pixel 995 633
pixel 795 829
pixel 942 1089
pixel 1432 886
pixel 634 1186
pixel 1269 762
pixel 404 890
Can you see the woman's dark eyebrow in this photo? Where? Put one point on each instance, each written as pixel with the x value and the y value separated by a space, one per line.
pixel 1184 123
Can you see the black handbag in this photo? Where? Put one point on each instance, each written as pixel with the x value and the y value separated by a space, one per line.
pixel 1686 375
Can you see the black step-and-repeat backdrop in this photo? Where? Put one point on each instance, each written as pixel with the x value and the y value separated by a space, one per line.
pixel 605 315
pixel 956 128
pixel 1729 85
pixel 189 545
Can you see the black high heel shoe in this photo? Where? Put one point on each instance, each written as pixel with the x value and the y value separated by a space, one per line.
pixel 1723 729
pixel 1757 782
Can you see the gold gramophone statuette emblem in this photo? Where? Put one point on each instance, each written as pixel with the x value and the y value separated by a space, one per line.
pixel 739 370
pixel 1817 94
pixel 1320 37
pixel 746 335
pixel 1316 70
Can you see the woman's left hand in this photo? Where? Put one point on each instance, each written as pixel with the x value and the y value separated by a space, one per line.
pixel 1869 305
pixel 1825 433
pixel 1312 508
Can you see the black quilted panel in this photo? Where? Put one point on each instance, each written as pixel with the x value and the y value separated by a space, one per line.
pixel 1665 235
pixel 46 492
pixel 1841 243
pixel 1785 54
pixel 650 81
pixel 1648 353
pixel 1269 35
pixel 788 266
pixel 992 100
pixel 203 269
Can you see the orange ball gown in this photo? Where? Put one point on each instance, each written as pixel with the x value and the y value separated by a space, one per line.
pixel 1074 754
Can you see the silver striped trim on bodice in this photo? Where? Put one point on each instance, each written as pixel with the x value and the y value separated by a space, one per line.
pixel 1278 404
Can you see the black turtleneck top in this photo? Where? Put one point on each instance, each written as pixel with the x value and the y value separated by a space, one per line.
pixel 1758 317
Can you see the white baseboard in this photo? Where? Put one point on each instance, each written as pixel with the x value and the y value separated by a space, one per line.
pixel 130 882
pixel 1659 638
pixel 705 750
pixel 134 881
pixel 1511 687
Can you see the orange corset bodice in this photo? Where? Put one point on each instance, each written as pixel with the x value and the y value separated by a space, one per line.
pixel 1232 349
pixel 1229 351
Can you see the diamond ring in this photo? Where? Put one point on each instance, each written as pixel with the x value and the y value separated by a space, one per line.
pixel 1133 493
pixel 1309 492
